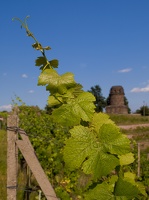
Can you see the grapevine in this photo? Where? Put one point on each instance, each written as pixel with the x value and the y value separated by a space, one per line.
pixel 92 156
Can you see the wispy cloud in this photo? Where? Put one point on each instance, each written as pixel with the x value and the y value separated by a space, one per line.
pixel 24 76
pixel 83 65
pixel 6 107
pixel 143 89
pixel 4 74
pixel 31 91
pixel 125 70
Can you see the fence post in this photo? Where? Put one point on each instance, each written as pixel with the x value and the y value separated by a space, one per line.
pixel 139 159
pixel 12 157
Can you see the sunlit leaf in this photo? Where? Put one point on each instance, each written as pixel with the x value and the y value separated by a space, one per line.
pixel 92 157
pixel 100 192
pixel 55 82
pixel 114 141
pixel 99 119
pixel 52 101
pixel 37 46
pixel 126 159
pixel 81 108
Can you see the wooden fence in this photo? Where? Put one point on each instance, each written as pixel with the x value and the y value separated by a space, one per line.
pixel 24 145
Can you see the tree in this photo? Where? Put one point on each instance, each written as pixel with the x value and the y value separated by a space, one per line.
pixel 126 103
pixel 100 101
pixel 144 111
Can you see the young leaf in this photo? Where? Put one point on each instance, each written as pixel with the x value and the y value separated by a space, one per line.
pixel 52 101
pixel 41 61
pixel 79 108
pixel 55 82
pixel 126 159
pixel 54 63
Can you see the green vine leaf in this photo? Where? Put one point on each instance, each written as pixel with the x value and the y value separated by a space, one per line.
pixel 55 82
pixel 117 189
pixel 131 178
pixel 100 192
pixel 41 61
pixel 99 119
pixel 126 188
pixel 97 163
pixel 113 140
pixel 95 149
pixel 126 159
pixel 38 46
pixel 80 108
pixel 44 64
pixel 52 101
pixel 54 63
pixel 93 158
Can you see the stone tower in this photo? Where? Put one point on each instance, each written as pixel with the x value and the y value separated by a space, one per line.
pixel 116 101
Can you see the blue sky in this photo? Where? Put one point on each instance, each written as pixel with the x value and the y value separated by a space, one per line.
pixel 103 42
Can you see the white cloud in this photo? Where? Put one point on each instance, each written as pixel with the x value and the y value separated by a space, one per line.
pixel 31 91
pixel 125 70
pixel 143 89
pixel 83 65
pixel 24 76
pixel 6 107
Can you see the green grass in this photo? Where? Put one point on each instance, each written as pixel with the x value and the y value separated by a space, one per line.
pixel 129 119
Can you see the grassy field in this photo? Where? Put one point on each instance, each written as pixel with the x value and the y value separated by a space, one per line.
pixel 129 119
pixel 140 133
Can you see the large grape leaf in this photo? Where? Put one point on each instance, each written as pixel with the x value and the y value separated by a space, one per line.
pixel 80 108
pixel 71 93
pixel 93 151
pixel 85 150
pixel 98 163
pixel 55 82
pixel 100 192
pixel 99 119
pixel 125 188
pixel 113 140
pixel 117 188
pixel 131 178
pixel 78 147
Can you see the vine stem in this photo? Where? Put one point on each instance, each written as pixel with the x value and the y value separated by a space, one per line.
pixel 30 34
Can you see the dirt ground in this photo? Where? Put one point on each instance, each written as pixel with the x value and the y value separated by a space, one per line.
pixel 134 126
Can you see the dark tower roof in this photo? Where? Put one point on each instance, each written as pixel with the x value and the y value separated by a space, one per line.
pixel 117 90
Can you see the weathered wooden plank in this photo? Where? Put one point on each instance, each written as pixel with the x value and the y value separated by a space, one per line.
pixel 33 163
pixel 12 157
